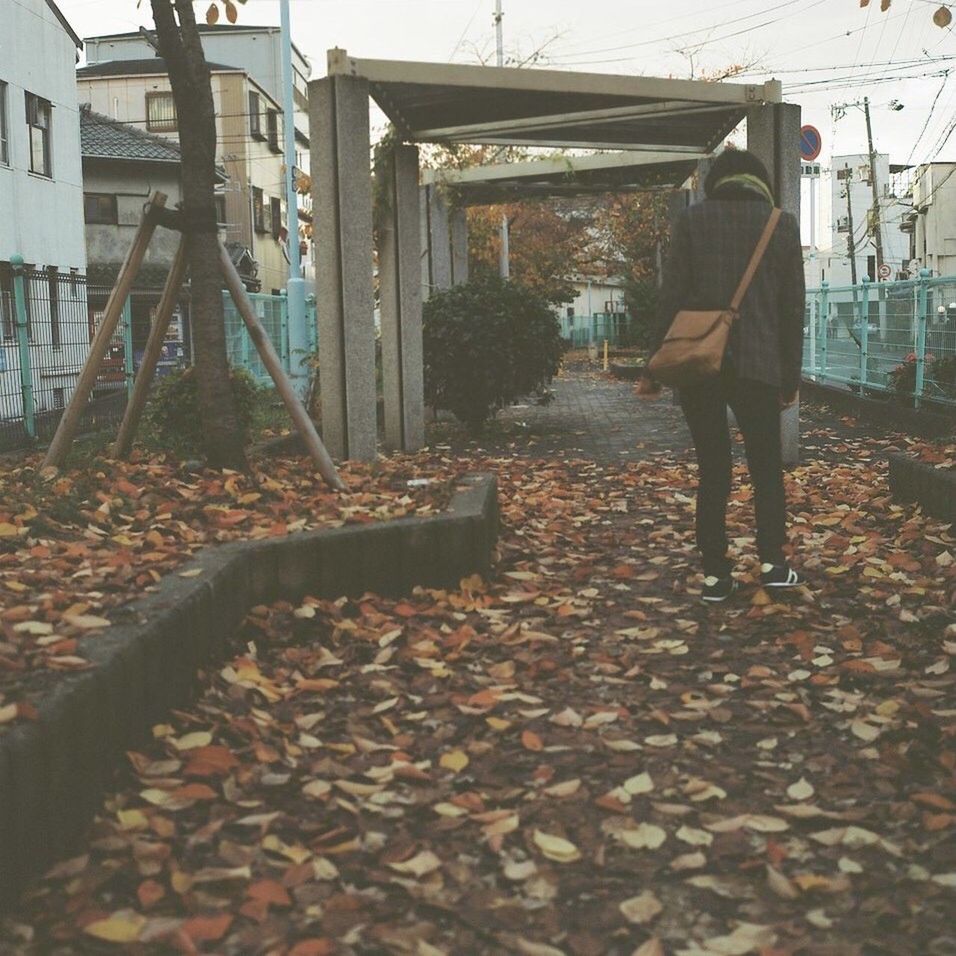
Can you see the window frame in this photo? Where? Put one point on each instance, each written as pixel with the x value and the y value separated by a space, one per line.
pixel 275 204
pixel 36 107
pixel 258 211
pixel 255 116
pixel 167 126
pixel 272 127
pixel 4 126
pixel 111 218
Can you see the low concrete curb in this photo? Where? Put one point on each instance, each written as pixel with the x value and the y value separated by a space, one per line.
pixel 53 771
pixel 932 488
pixel 888 413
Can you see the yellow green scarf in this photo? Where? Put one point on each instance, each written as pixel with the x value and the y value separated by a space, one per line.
pixel 746 181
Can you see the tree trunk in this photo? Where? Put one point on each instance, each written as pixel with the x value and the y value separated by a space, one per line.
pixel 180 47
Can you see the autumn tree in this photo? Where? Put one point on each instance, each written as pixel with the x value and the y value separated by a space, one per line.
pixel 178 39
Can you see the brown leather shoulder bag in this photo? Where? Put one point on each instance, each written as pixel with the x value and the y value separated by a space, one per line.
pixel 694 346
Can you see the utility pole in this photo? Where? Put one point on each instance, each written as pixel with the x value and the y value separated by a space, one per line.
pixel 504 259
pixel 850 241
pixel 877 228
pixel 295 287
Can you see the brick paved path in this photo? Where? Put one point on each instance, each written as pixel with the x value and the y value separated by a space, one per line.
pixel 591 416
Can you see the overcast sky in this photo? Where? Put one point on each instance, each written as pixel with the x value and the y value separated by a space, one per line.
pixel 824 51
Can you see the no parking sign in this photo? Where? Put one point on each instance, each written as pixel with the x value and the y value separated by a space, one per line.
pixel 810 143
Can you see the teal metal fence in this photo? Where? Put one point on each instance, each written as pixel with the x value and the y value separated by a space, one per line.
pixel 895 337
pixel 273 312
pixel 47 321
pixel 616 329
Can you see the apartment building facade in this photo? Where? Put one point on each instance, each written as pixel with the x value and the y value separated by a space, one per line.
pixel 124 80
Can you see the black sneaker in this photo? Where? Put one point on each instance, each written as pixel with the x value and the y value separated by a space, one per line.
pixel 779 576
pixel 718 589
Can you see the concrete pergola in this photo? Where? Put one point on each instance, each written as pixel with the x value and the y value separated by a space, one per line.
pixel 657 122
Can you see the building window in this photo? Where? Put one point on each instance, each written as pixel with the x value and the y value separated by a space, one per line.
pixel 570 311
pixel 59 397
pixel 272 120
pixel 38 123
pixel 53 284
pixel 161 113
pixel 255 116
pixel 221 211
pixel 258 210
pixel 4 141
pixel 276 217
pixel 99 208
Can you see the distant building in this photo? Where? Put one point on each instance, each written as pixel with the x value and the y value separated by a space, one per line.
pixel 41 202
pixel 851 173
pixel 122 167
pixel 932 224
pixel 125 81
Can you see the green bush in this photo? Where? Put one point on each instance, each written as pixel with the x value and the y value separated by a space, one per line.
pixel 173 410
pixel 487 343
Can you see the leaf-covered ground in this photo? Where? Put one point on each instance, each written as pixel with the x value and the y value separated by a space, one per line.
pixel 575 757
pixel 74 549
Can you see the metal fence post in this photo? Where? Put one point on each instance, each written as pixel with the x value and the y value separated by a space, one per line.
pixel 824 325
pixel 284 344
pixel 921 318
pixel 23 343
pixel 128 367
pixel 313 328
pixel 864 332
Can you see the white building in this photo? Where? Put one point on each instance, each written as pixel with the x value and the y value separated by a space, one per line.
pixel 41 202
pixel 932 224
pixel 851 174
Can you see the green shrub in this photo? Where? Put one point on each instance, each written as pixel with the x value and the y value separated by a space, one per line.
pixel 173 410
pixel 487 343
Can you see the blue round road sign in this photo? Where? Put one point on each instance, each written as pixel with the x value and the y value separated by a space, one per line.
pixel 810 143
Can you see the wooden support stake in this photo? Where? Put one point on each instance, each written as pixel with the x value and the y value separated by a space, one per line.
pixel 154 346
pixel 270 359
pixel 63 439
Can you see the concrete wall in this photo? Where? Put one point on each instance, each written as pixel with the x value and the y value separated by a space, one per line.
pixel 41 219
pixel 132 184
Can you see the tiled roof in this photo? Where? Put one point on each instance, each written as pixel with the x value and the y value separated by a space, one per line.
pixel 105 138
pixel 149 66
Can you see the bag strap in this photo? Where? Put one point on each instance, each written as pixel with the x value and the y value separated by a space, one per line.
pixel 755 260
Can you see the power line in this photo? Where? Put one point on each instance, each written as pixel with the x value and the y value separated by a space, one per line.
pixel 929 116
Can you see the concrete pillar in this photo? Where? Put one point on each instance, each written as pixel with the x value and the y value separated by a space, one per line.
pixel 458 229
pixel 401 303
pixel 773 134
pixel 439 239
pixel 342 198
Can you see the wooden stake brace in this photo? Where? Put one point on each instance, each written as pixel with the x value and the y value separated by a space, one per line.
pixel 154 214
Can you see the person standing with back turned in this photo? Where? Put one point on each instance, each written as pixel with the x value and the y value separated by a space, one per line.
pixel 711 245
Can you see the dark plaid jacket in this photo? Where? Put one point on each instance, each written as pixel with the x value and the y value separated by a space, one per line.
pixel 711 244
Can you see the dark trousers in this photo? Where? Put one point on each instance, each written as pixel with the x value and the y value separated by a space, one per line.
pixel 757 409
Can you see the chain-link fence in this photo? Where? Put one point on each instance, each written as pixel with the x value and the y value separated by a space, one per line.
pixel 49 318
pixel 895 337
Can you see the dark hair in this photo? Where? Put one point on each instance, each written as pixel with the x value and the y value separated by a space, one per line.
pixel 732 162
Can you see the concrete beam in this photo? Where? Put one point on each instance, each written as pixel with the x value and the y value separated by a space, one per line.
pixel 401 304
pixel 342 196
pixel 773 134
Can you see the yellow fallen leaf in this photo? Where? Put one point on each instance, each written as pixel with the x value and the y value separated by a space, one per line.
pixel 122 927
pixel 801 790
pixel 8 530
pixel 642 908
pixel 645 836
pixel 199 738
pixel 454 760
pixel 132 820
pixel 86 622
pixel 556 848
pixel 419 865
